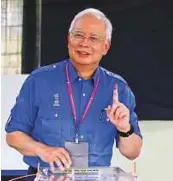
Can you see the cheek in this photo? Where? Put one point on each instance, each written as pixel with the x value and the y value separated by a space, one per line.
pixel 98 51
pixel 71 45
pixel 71 48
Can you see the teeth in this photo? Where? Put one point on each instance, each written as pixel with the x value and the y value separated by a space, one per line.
pixel 84 53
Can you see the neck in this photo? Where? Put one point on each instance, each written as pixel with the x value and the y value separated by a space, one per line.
pixel 85 71
pixel 86 74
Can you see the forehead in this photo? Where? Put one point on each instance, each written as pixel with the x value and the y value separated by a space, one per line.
pixel 91 25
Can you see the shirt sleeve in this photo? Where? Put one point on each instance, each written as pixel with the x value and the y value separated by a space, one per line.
pixel 23 114
pixel 128 99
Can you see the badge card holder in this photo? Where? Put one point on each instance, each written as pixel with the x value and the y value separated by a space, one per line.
pixel 78 153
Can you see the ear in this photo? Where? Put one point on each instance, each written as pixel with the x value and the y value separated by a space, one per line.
pixel 106 47
pixel 68 37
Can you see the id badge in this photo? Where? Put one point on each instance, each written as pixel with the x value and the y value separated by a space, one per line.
pixel 78 153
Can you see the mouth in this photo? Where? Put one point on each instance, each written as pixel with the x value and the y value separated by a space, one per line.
pixel 82 54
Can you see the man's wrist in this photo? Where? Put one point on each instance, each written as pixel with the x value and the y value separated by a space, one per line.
pixel 39 149
pixel 127 133
pixel 126 129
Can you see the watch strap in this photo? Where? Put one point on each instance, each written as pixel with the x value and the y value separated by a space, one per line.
pixel 128 133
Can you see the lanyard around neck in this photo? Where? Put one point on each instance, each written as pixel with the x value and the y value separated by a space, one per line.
pixel 72 102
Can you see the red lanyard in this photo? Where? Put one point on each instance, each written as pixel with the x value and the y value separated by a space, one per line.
pixel 72 102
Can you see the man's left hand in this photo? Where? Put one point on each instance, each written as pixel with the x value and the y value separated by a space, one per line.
pixel 118 113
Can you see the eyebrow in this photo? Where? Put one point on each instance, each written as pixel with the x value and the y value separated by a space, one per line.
pixel 92 34
pixel 78 31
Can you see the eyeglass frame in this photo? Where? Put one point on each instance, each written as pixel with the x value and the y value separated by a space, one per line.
pixel 83 37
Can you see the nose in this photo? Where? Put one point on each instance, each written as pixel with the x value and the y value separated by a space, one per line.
pixel 85 42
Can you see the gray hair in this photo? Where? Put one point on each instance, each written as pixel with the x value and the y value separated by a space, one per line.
pixel 98 14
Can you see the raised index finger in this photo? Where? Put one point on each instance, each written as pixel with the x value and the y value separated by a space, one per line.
pixel 115 95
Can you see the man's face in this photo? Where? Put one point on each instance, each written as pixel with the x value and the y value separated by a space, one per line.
pixel 87 41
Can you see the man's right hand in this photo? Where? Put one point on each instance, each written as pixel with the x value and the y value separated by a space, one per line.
pixel 28 146
pixel 55 155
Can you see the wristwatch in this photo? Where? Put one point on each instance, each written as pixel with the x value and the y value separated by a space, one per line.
pixel 128 133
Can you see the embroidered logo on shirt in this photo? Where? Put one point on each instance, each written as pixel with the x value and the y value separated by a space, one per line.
pixel 56 100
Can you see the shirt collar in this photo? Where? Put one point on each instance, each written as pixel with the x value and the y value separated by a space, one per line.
pixel 74 75
pixel 72 71
pixel 96 75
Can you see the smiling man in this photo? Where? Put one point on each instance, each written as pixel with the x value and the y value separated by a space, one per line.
pixel 75 107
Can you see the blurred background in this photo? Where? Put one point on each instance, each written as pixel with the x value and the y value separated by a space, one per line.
pixel 11 36
pixel 34 34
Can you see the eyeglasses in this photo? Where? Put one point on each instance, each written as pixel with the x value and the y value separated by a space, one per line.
pixel 93 39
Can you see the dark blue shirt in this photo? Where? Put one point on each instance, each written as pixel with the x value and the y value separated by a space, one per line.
pixel 43 111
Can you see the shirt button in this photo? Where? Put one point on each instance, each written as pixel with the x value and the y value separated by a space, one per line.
pixel 83 94
pixel 80 79
pixel 56 115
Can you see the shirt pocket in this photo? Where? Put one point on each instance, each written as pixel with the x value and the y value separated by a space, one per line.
pixel 103 137
pixel 103 134
pixel 54 131
pixel 51 131
pixel 104 130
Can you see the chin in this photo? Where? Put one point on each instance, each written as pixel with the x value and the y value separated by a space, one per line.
pixel 83 61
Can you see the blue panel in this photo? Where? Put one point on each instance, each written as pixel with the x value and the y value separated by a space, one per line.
pixel 13 172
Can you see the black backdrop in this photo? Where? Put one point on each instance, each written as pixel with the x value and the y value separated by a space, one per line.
pixel 141 51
